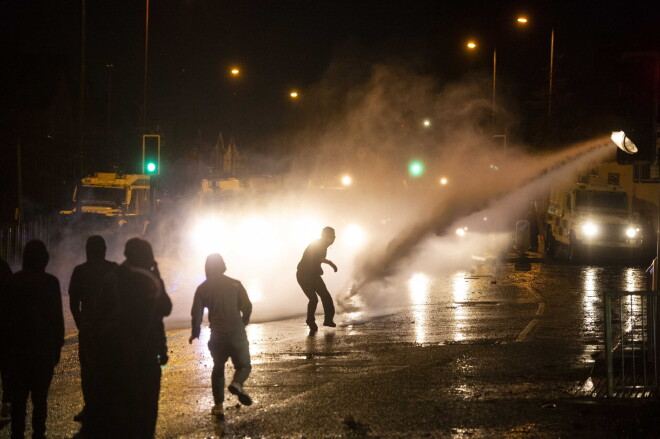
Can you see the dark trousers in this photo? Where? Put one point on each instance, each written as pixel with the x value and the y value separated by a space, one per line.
pixel 100 379
pixel 31 376
pixel 86 369
pixel 140 398
pixel 4 377
pixel 223 347
pixel 313 286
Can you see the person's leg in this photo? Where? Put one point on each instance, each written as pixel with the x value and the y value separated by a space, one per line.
pixel 220 355
pixel 83 357
pixel 307 286
pixel 326 299
pixel 19 395
pixel 241 358
pixel 40 383
pixel 152 374
pixel 4 377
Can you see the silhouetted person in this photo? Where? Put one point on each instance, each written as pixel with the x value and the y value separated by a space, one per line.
pixel 229 313
pixel 309 278
pixel 138 303
pixel 88 312
pixel 5 409
pixel 36 336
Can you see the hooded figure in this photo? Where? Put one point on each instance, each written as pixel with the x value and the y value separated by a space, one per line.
pixel 5 410
pixel 138 302
pixel 85 302
pixel 36 336
pixel 229 313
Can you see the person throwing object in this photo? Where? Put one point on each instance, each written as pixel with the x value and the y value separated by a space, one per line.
pixel 309 278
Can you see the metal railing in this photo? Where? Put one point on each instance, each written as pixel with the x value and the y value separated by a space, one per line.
pixel 13 237
pixel 631 353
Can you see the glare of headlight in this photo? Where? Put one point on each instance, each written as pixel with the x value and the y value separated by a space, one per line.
pixel 346 180
pixel 354 236
pixel 256 234
pixel 631 232
pixel 210 235
pixel 623 142
pixel 460 232
pixel 443 181
pixel 590 229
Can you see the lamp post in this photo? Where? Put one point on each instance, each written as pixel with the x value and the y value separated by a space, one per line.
pixel 146 59
pixel 552 59
pixel 472 45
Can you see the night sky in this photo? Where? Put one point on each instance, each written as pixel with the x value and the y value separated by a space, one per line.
pixel 279 46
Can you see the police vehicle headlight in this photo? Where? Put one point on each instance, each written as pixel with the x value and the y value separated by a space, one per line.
pixel 590 229
pixel 633 231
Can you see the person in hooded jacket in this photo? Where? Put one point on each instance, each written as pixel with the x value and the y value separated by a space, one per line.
pixel 85 290
pixel 5 409
pixel 36 336
pixel 229 313
pixel 137 303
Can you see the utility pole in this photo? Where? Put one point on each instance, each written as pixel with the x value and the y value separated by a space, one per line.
pixel 552 62
pixel 146 58
pixel 19 183
pixel 109 111
pixel 82 87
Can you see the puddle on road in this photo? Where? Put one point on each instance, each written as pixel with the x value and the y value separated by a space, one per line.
pixel 313 355
pixel 477 303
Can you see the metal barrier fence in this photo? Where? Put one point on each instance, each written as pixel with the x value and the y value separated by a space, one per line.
pixel 631 343
pixel 13 237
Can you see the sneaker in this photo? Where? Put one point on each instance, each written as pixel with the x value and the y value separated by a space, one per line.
pixel 330 323
pixel 312 326
pixel 218 411
pixel 237 389
pixel 5 411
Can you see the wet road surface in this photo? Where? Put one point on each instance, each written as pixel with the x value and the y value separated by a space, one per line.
pixel 471 356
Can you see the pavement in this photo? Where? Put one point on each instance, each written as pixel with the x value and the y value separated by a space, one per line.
pixel 473 356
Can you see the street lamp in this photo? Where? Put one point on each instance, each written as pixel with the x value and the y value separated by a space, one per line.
pixel 235 71
pixel 471 45
pixel 293 94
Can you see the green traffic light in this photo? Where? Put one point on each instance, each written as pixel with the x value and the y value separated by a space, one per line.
pixel 416 169
pixel 151 167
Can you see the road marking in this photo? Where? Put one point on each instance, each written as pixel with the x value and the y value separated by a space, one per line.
pixel 529 328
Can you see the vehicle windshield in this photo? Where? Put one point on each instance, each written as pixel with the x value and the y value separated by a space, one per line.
pixel 601 200
pixel 102 196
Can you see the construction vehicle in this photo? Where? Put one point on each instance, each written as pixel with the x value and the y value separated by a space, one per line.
pixel 108 202
pixel 587 219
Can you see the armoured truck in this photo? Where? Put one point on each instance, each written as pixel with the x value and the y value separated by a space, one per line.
pixel 109 202
pixel 590 219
